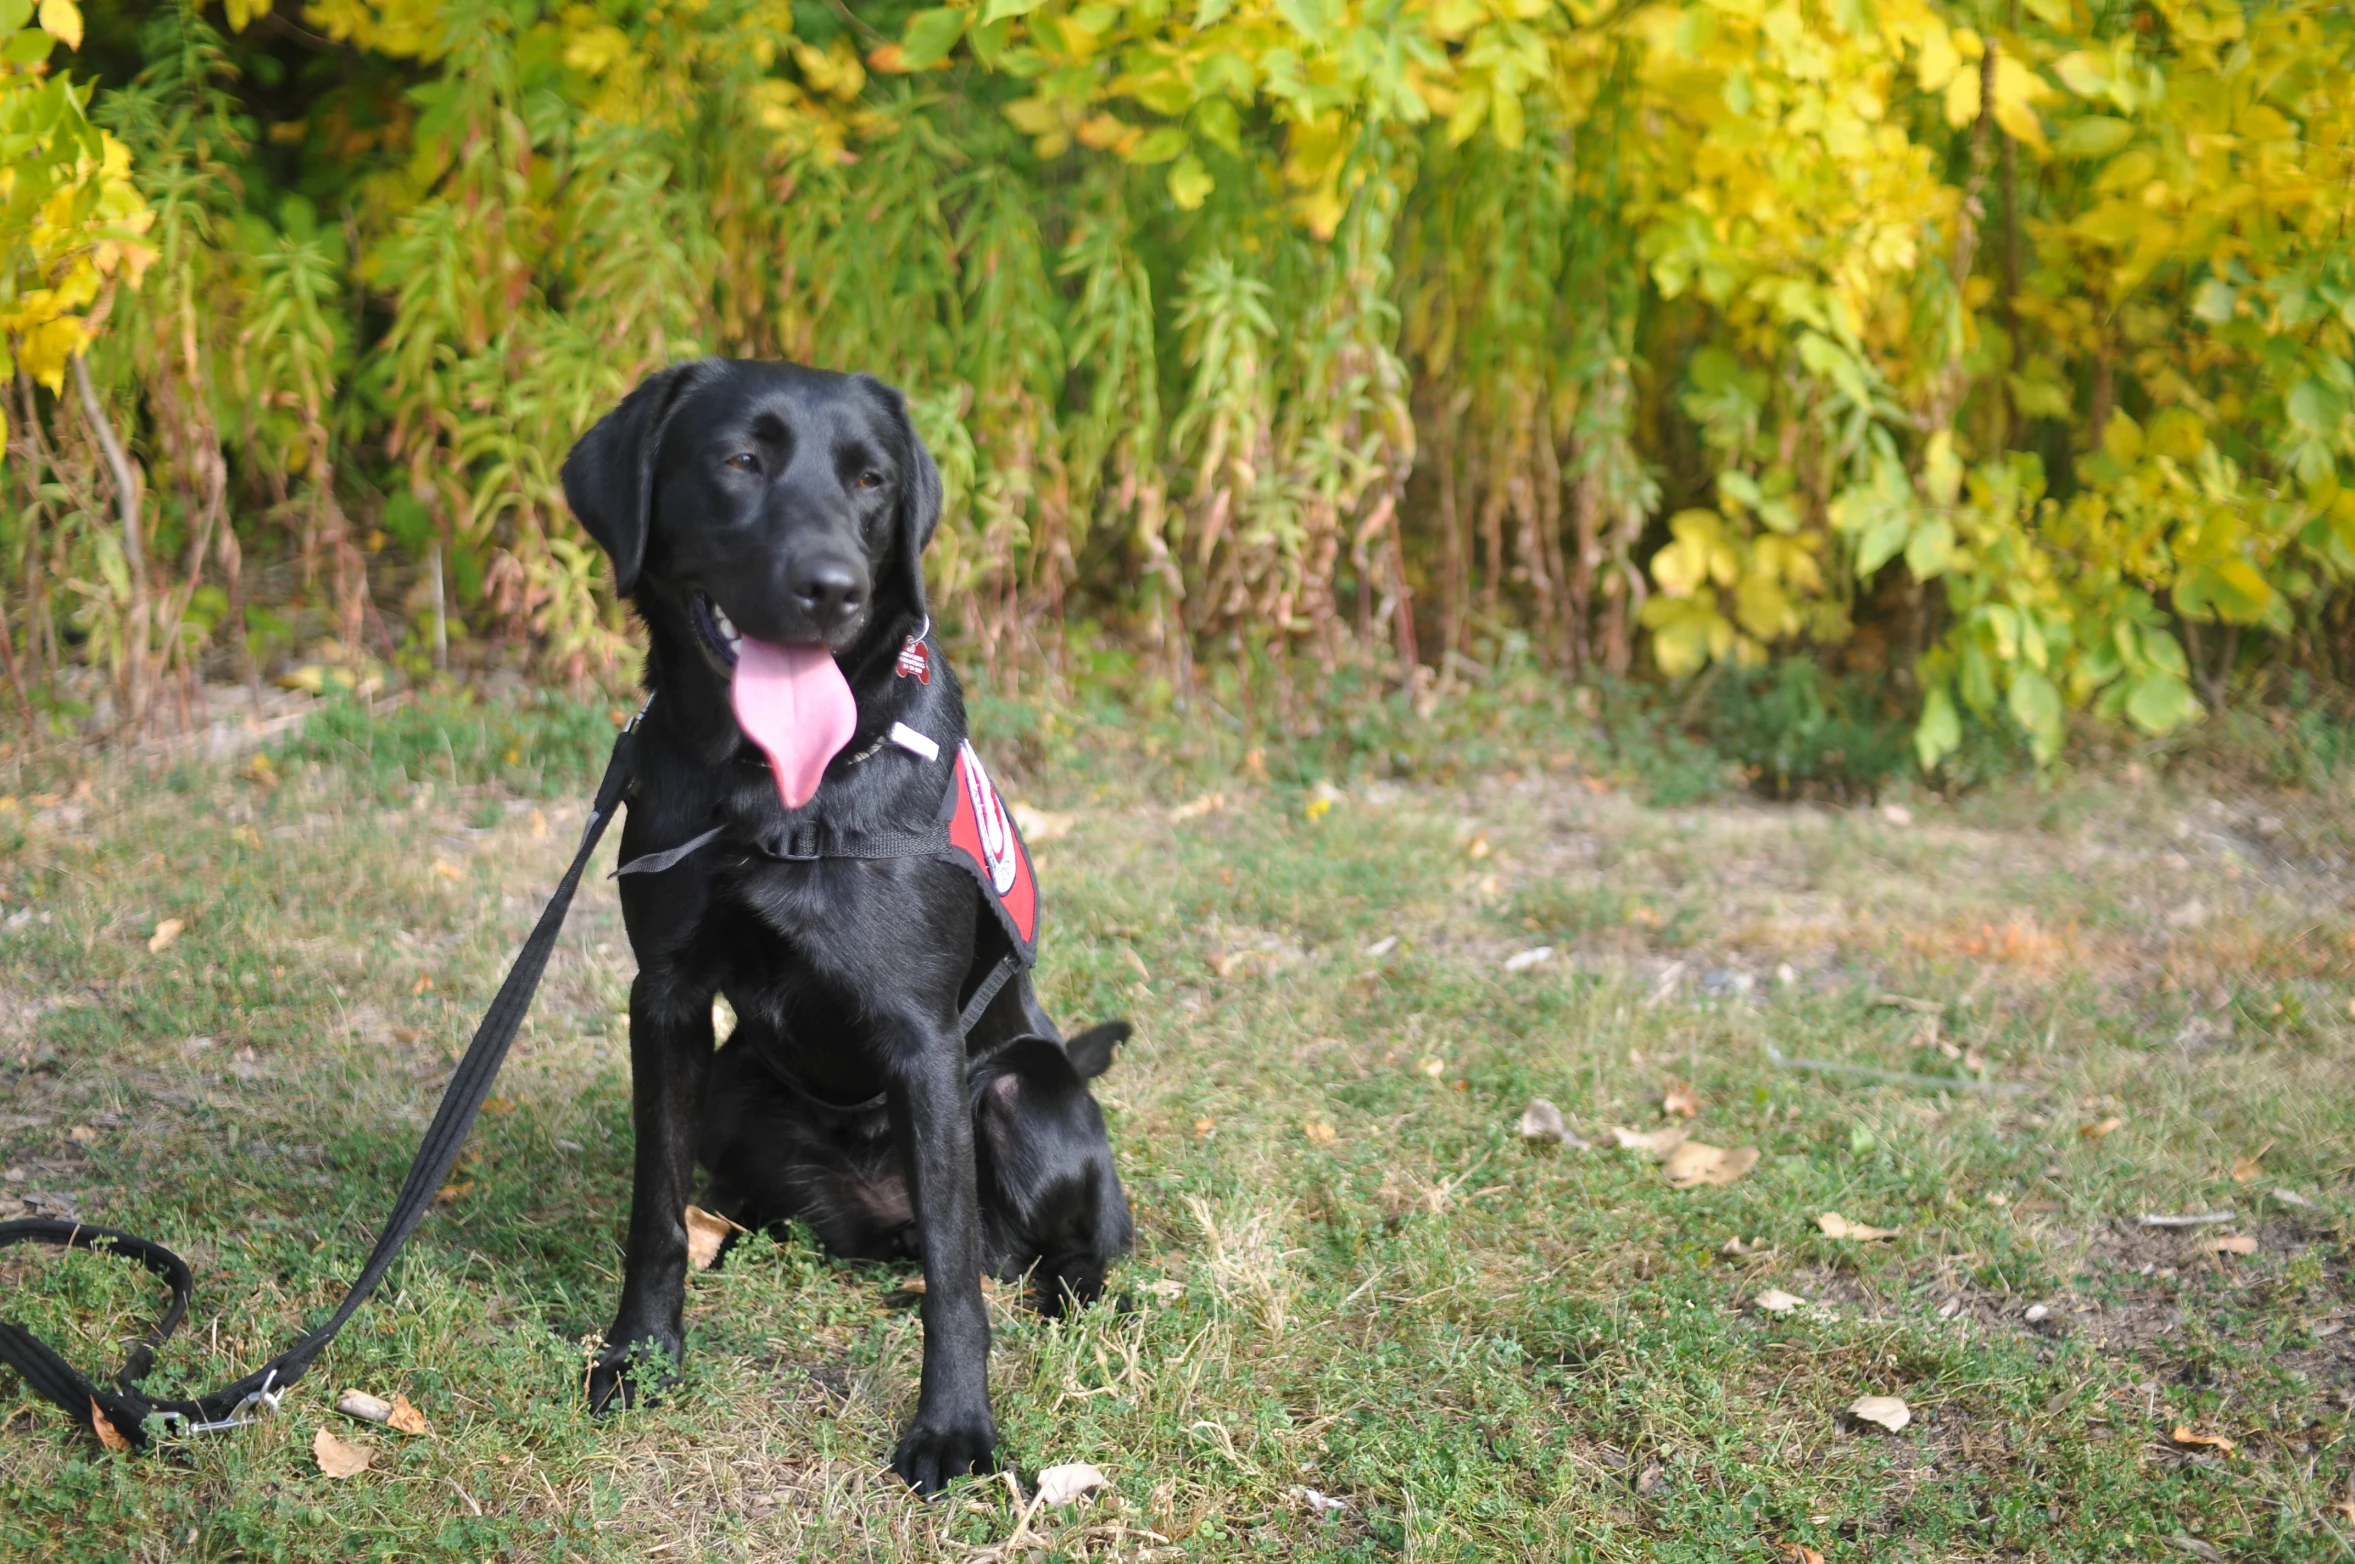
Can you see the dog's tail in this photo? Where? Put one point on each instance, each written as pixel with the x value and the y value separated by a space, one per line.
pixel 1091 1050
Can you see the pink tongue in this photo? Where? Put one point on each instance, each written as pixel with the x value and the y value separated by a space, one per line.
pixel 794 703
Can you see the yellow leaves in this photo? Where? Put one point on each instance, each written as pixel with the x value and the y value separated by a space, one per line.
pixel 1190 183
pixel 1687 633
pixel 62 20
pixel 44 350
pixel 2262 122
pixel 1315 153
pixel 2017 90
pixel 595 47
pixel 1699 553
pixel 835 70
pixel 1771 576
pixel 73 219
pixel 1964 88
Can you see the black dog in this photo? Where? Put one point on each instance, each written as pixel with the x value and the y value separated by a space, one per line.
pixel 1050 1199
pixel 783 848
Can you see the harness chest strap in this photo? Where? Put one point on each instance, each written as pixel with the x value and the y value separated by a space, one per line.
pixel 972 829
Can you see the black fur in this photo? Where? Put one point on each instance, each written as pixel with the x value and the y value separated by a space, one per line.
pixel 1051 1207
pixel 798 502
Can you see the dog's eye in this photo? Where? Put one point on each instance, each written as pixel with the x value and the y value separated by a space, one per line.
pixel 744 461
pixel 870 480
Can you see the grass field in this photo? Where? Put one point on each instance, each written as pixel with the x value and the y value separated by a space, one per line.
pixel 2090 1000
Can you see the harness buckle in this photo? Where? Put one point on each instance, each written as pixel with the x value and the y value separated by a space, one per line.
pixel 801 842
pixel 255 1405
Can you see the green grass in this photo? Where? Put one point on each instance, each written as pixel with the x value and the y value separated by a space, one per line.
pixel 1483 1351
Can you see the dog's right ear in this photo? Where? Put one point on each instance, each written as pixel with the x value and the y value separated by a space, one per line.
pixel 609 476
pixel 1091 1050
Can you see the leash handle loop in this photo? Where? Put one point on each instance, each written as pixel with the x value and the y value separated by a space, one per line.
pixel 127 1410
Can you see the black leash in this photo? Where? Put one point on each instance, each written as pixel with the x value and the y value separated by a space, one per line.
pixel 137 1418
pixel 126 1411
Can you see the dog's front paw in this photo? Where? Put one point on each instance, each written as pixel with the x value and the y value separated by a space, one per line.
pixel 933 1455
pixel 632 1372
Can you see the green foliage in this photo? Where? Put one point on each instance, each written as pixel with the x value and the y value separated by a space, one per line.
pixel 1338 332
pixel 1798 729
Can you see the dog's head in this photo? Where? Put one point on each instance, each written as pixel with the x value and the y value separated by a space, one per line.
pixel 1051 1196
pixel 766 500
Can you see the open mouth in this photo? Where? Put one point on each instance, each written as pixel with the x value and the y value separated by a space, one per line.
pixel 719 633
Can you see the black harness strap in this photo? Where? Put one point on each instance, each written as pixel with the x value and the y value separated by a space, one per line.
pixel 138 1418
pixel 124 1407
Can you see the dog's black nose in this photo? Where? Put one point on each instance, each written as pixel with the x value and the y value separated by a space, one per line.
pixel 829 590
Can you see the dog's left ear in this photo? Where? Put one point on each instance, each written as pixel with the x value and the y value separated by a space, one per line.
pixel 920 496
pixel 1091 1050
pixel 609 474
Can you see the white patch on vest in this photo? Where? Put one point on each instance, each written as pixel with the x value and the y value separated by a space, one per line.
pixel 998 852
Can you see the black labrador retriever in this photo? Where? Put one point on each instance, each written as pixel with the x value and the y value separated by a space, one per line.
pixel 800 753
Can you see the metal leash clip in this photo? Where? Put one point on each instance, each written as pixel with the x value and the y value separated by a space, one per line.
pixel 256 1405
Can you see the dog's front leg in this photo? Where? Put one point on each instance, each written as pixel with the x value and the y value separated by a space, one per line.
pixel 954 1432
pixel 670 1062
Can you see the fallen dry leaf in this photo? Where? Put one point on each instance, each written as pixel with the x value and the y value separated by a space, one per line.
pixel 1800 1552
pixel 81 1134
pixel 498 1107
pixel 1207 804
pixel 910 1284
pixel 706 1232
pixel 1059 1485
pixel 404 1417
pixel 1736 1247
pixel 108 1435
pixel 448 870
pixel 2106 1127
pixel 2183 1435
pixel 1776 1301
pixel 165 932
pixel 365 1407
pixel 2247 1170
pixel 1658 1142
pixel 338 1459
pixel 1319 1133
pixel 1166 1289
pixel 450 1194
pixel 2231 1243
pixel 1882 1411
pixel 1205 1128
pixel 1680 1101
pixel 1039 825
pixel 1693 1164
pixel 1835 1225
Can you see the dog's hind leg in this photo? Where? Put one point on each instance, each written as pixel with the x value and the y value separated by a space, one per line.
pixel 670 1062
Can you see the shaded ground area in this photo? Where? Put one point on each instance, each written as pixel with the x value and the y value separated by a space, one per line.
pixel 2008 1028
